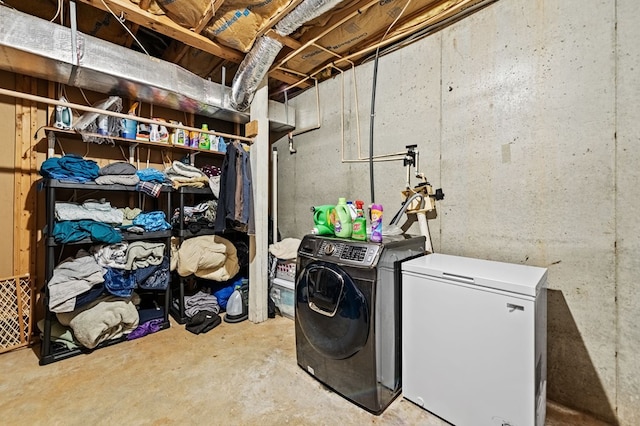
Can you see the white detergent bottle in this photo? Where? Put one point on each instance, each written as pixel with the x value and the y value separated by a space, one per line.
pixel 235 307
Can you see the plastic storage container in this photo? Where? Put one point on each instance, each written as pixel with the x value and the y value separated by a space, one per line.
pixel 282 293
pixel 286 269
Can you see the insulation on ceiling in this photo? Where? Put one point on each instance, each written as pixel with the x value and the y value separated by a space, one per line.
pixel 237 23
pixel 364 27
pixel 150 6
pixel 187 13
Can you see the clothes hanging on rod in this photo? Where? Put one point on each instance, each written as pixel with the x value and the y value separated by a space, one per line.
pixel 235 204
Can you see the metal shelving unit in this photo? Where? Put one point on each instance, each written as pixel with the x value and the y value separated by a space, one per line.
pixel 182 232
pixel 48 353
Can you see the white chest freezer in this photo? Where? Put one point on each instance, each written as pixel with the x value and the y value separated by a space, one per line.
pixel 474 340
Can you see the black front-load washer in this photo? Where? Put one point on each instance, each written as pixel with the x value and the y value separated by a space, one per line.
pixel 347 315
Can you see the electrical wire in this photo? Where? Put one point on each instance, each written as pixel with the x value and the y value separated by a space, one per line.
pixel 121 21
pixel 58 11
pixel 373 102
pixel 84 97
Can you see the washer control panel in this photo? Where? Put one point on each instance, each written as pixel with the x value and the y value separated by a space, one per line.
pixel 352 253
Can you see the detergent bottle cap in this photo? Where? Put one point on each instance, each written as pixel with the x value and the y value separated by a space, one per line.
pixel 342 200
pixel 359 204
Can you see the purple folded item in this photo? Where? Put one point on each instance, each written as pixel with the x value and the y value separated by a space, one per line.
pixel 145 328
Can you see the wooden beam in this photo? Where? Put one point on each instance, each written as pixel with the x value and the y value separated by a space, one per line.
pixel 336 20
pixel 204 21
pixel 286 41
pixel 24 179
pixel 251 129
pixel 290 79
pixel 165 26
pixel 130 40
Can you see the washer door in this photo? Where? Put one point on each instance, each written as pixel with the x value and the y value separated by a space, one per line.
pixel 331 311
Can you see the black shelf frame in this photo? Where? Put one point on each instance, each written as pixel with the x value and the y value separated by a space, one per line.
pixel 47 354
pixel 183 233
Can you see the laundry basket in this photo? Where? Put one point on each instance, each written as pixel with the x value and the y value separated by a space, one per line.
pixel 16 307
pixel 286 269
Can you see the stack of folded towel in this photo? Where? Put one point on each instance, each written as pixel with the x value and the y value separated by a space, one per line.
pixel 122 173
pixel 182 174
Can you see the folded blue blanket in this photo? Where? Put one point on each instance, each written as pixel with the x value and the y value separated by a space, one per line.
pixel 69 231
pixel 70 167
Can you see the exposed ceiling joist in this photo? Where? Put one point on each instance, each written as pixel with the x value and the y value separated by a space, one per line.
pixel 342 37
pixel 165 26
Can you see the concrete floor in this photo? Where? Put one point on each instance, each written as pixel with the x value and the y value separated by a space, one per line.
pixel 237 374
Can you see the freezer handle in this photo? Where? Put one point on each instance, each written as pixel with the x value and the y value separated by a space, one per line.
pixel 513 307
pixel 457 277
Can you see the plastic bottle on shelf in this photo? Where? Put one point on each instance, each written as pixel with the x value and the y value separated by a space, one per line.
pixel 222 145
pixel 352 210
pixel 194 139
pixel 178 136
pixel 205 141
pixel 342 219
pixel 376 223
pixel 214 146
pixel 154 134
pixel 360 223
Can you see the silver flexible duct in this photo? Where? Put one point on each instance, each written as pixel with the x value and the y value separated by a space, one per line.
pixel 264 51
pixel 304 12
pixel 252 70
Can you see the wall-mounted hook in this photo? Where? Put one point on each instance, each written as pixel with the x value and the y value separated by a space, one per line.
pixel 292 150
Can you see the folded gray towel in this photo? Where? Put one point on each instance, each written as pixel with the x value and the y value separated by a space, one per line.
pixel 179 168
pixel 119 168
pixel 117 179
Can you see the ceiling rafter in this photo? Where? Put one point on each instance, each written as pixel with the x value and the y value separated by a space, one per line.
pixel 312 36
pixel 166 26
pixel 402 31
pixel 208 15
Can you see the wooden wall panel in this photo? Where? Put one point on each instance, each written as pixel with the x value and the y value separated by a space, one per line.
pixel 25 176
pixel 7 138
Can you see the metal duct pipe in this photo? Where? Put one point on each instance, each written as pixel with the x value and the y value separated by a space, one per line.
pixel 42 49
pixel 256 64
pixel 252 70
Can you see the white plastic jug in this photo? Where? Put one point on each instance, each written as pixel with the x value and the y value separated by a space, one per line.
pixel 236 311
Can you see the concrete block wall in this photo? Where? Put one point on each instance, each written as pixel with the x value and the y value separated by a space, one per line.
pixel 525 113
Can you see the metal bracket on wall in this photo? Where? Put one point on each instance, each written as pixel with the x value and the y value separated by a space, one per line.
pixel 132 152
pixel 75 52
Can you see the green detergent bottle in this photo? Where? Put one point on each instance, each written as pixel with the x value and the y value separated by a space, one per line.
pixel 342 219
pixel 323 219
pixel 205 138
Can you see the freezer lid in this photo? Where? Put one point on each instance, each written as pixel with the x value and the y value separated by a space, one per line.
pixel 511 277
